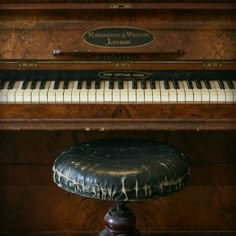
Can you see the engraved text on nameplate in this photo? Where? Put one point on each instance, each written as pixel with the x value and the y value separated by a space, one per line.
pixel 118 37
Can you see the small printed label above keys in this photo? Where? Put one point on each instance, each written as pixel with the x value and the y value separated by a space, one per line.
pixel 124 75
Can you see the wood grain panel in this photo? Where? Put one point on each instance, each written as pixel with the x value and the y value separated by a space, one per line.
pixel 31 202
pixel 46 208
pixel 118 116
pixel 42 147
pixel 204 36
pixel 100 4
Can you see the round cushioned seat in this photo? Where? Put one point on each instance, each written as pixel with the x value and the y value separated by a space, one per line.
pixel 121 169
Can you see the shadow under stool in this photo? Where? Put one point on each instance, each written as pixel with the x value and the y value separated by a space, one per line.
pixel 121 170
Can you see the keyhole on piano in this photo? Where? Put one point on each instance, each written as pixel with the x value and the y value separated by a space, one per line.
pixel 121 112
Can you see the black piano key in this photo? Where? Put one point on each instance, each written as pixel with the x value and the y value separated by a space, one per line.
pixel 97 84
pixel 190 84
pixel 198 83
pixel 120 84
pixel 79 85
pixel 207 84
pixel 166 84
pixel 230 84
pixel 143 84
pixel 11 84
pixel 221 84
pixel 66 84
pixel 56 85
pixel 153 84
pixel 134 84
pixel 88 84
pixel 25 84
pixel 33 84
pixel 176 84
pixel 111 84
pixel 42 84
pixel 2 84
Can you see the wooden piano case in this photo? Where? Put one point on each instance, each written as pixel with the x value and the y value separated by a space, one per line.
pixel 189 36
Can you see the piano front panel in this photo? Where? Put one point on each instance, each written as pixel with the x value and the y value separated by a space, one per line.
pixel 34 34
pixel 204 130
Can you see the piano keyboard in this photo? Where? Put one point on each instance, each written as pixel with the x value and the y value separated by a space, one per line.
pixel 117 91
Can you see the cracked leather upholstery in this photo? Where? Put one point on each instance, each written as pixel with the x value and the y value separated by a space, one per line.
pixel 121 169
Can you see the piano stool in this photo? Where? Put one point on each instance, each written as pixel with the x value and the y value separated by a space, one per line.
pixel 121 170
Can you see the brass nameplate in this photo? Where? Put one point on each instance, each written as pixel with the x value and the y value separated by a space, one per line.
pixel 124 75
pixel 118 37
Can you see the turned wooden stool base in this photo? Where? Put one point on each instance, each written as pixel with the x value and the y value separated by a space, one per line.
pixel 121 170
pixel 120 220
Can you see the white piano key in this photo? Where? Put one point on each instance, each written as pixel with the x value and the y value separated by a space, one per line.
pixel 51 93
pixel 68 92
pixel 172 92
pixel 92 93
pixel 131 93
pixel 12 93
pixel 181 97
pixel 124 97
pixel 36 92
pixel 107 92
pixel 116 92
pixel 140 92
pixel 220 92
pixel 229 96
pixel 3 93
pixel 188 92
pixel 148 92
pixel 43 93
pixel 156 93
pixel 205 93
pixel 60 93
pixel 213 92
pixel 197 95
pixel 75 96
pixel 27 93
pixel 19 93
pixel 164 92
pixel 83 93
pixel 100 93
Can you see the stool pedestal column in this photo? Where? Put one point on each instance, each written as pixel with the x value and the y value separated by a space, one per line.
pixel 120 220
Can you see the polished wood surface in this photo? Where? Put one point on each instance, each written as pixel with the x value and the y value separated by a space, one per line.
pixel 31 136
pixel 118 116
pixel 117 4
pixel 34 34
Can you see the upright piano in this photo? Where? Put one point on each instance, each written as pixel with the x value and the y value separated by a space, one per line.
pixel 72 70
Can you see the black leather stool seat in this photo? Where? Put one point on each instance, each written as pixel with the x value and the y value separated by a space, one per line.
pixel 121 169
